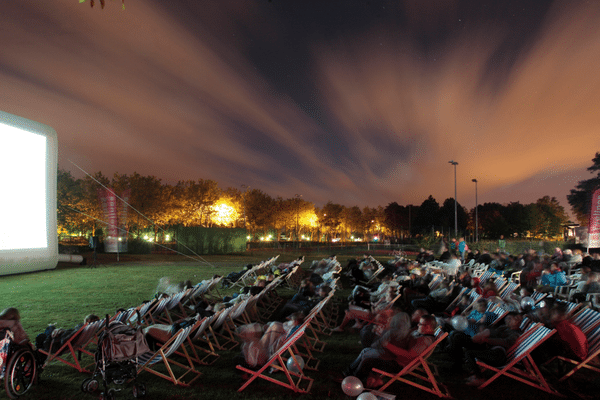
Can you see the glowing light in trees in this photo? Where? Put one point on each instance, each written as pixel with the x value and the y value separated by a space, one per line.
pixel 224 213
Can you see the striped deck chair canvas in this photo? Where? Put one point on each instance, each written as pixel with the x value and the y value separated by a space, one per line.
pixel 295 381
pixel 180 372
pixel 586 319
pixel 508 289
pixel 520 365
pixel 75 345
pixel 419 371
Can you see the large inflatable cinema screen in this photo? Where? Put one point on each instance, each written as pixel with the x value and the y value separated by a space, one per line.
pixel 28 162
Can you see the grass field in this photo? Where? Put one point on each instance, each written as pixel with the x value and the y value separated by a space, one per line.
pixel 65 295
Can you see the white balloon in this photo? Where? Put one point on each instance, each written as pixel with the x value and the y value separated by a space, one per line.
pixel 295 366
pixel 366 396
pixel 460 323
pixel 352 386
pixel 527 302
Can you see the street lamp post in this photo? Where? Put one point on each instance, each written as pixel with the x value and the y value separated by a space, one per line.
pixel 297 213
pixel 476 219
pixel 455 202
pixel 245 187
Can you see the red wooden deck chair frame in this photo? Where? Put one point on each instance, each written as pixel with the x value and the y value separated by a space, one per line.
pixel 593 337
pixel 420 370
pixel 298 382
pixel 75 344
pixel 520 365
pixel 177 372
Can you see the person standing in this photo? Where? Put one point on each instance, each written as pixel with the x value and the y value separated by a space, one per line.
pixel 462 248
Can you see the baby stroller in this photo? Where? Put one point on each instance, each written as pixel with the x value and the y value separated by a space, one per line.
pixel 119 345
pixel 22 368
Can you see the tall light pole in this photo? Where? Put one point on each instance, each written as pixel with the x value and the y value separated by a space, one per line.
pixel 297 213
pixel 245 187
pixel 476 219
pixel 455 203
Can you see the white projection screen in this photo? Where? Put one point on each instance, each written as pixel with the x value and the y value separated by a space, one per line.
pixel 28 164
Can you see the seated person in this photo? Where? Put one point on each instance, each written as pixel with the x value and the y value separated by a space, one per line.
pixel 490 346
pixel 478 319
pixel 10 318
pixel 435 300
pixel 167 288
pixel 489 289
pixel 233 277
pixel 397 347
pixel 158 334
pixel 303 304
pixel 590 285
pixel 54 338
pixel 569 341
pixel 552 277
pixel 361 314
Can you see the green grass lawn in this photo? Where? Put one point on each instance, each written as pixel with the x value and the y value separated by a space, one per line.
pixel 65 295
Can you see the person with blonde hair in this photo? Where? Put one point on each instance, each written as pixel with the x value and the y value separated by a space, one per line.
pixel 10 319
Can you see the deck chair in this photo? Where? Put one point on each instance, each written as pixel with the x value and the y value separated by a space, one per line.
pixel 76 345
pixel 378 271
pixel 508 289
pixel 586 319
pixel 269 300
pixel 253 272
pixel 538 296
pixel 177 372
pixel 420 371
pixel 593 337
pixel 297 382
pixel 520 365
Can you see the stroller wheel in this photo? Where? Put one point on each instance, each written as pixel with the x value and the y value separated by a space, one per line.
pixel 89 385
pixel 139 390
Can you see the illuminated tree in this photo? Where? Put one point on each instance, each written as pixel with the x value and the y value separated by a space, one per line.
pixel 195 200
pixel 77 211
pixel 332 217
pixel 546 217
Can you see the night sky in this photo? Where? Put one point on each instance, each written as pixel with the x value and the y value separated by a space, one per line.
pixel 358 102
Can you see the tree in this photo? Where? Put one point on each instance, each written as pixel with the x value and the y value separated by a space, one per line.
pixel 332 217
pixel 427 215
pixel 547 217
pixel 73 205
pixel 492 221
pixel 259 206
pixel 580 198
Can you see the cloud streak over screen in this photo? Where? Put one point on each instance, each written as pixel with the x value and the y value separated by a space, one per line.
pixel 320 102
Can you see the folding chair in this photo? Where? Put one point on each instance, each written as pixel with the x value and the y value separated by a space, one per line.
pixel 420 370
pixel 508 289
pixel 375 276
pixel 252 273
pixel 520 364
pixel 593 337
pixel 296 381
pixel 176 372
pixel 586 319
pixel 75 345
